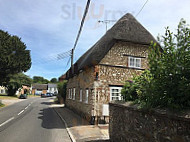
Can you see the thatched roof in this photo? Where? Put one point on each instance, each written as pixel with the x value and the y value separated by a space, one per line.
pixel 126 29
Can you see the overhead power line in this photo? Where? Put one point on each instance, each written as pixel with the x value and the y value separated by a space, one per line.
pixel 82 23
pixel 79 32
pixel 142 8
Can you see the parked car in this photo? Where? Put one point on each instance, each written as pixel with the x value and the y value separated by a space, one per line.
pixel 55 94
pixel 23 96
pixel 47 95
pixel 43 95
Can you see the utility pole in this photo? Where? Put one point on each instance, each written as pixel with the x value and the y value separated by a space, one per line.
pixel 106 22
pixel 72 54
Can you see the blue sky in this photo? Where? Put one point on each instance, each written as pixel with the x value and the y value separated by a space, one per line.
pixel 49 27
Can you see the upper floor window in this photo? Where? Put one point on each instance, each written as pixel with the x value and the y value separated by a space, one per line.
pixel 134 62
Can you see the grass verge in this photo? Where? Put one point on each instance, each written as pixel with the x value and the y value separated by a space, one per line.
pixel 4 96
pixel 1 105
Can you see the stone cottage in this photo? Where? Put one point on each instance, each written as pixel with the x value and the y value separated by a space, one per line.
pixel 99 74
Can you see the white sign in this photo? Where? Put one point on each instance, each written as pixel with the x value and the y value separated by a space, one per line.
pixel 105 110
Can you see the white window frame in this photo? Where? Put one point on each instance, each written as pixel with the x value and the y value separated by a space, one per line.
pixel 119 91
pixel 74 93
pixel 86 96
pixel 71 96
pixel 80 95
pixel 69 93
pixel 135 62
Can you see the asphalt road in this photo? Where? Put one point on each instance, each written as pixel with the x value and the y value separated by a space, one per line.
pixel 32 120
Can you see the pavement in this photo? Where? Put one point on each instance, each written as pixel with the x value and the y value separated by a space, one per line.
pixel 78 128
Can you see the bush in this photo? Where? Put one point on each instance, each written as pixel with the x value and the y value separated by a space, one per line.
pixel 167 83
pixel 62 88
pixel 129 91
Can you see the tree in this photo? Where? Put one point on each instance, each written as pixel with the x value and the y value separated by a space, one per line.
pixel 53 80
pixel 167 83
pixel 62 91
pixel 39 79
pixel 14 58
pixel 16 81
pixel 171 68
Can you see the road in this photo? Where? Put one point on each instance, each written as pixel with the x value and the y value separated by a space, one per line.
pixel 32 120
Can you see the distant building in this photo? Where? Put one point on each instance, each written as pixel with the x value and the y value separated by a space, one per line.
pixel 3 90
pixel 62 78
pixel 52 88
pixel 38 89
pixel 24 90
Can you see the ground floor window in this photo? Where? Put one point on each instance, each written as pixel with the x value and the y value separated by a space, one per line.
pixel 86 96
pixel 70 93
pixel 2 91
pixel 74 94
pixel 80 95
pixel 115 93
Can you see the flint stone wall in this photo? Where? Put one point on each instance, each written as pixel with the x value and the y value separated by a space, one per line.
pixel 129 124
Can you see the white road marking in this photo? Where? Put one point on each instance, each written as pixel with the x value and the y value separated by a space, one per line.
pixel 20 112
pixel 26 107
pixel 7 121
pixel 17 114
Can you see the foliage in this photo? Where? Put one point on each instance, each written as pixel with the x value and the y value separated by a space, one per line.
pixel 62 88
pixel 14 58
pixel 129 91
pixel 54 80
pixel 39 79
pixel 16 81
pixel 167 83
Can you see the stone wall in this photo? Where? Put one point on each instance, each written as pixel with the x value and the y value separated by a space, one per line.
pixel 84 80
pixel 129 124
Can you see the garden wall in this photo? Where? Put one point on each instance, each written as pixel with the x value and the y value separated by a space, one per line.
pixel 130 124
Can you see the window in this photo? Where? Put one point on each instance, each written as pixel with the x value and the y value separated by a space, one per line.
pixel 115 93
pixel 74 94
pixel 69 94
pixel 80 95
pixel 86 97
pixel 134 62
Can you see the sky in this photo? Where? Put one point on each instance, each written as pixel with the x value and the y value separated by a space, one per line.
pixel 49 27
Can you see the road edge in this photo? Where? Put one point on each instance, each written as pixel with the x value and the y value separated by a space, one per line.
pixel 68 131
